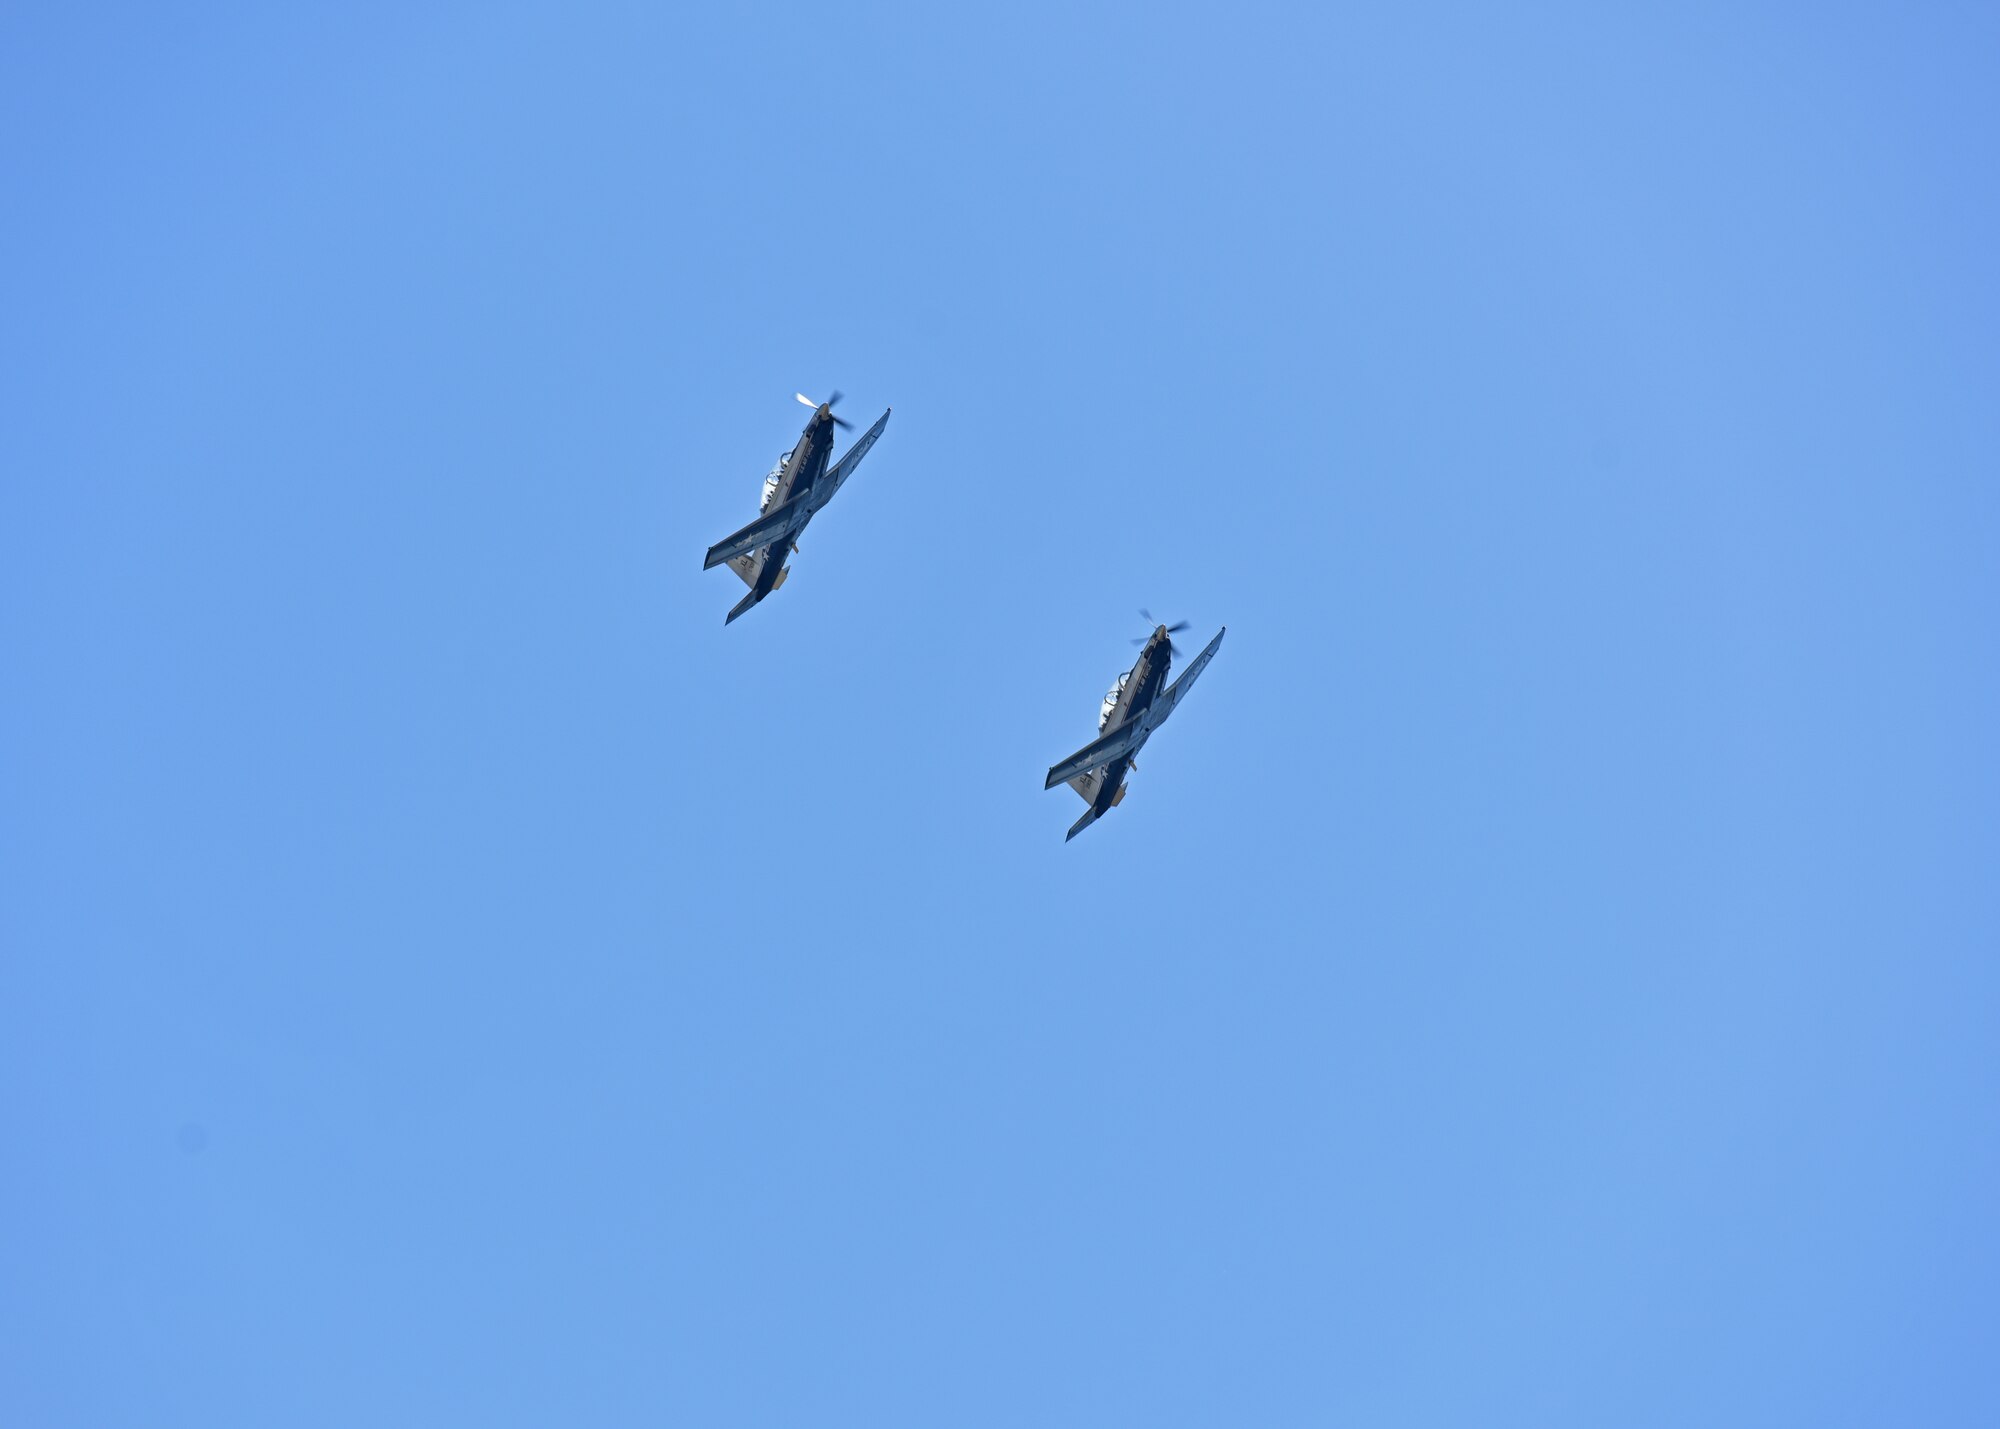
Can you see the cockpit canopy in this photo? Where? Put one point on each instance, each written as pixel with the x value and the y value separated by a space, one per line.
pixel 771 480
pixel 1111 701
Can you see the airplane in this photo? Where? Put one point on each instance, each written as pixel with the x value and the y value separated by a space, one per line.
pixel 1136 706
pixel 797 487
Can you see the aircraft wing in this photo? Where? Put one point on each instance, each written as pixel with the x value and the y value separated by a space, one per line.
pixel 1163 704
pixel 778 521
pixel 824 488
pixel 1102 750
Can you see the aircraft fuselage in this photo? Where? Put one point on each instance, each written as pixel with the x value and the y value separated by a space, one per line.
pixel 802 472
pixel 1142 687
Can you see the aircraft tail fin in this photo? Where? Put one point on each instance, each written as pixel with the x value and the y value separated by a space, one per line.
pixel 746 566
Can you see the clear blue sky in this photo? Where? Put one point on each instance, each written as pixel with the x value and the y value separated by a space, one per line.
pixel 1545 976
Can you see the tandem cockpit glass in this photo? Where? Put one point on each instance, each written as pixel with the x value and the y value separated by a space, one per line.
pixel 771 480
pixel 1111 700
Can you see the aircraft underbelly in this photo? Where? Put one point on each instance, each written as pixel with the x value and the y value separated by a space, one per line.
pixel 1112 785
pixel 774 566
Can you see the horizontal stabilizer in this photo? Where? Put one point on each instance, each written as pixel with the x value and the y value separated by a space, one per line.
pixel 1090 816
pixel 741 606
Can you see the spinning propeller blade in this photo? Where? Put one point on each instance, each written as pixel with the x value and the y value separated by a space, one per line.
pixel 1172 630
pixel 831 399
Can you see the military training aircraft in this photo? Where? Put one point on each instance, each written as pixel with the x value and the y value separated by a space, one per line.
pixel 1136 706
pixel 797 487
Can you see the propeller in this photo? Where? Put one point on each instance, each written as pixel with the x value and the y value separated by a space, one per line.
pixel 1172 630
pixel 832 398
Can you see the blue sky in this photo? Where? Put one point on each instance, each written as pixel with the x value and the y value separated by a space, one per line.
pixel 1544 976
